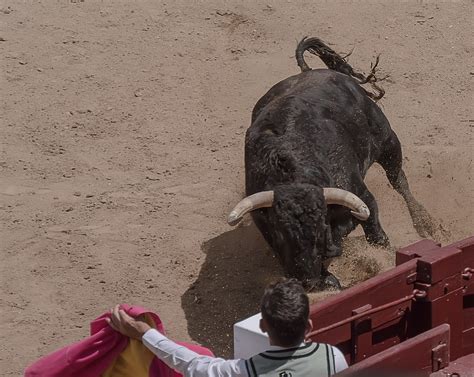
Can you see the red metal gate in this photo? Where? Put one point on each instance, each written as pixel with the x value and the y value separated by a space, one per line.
pixel 426 301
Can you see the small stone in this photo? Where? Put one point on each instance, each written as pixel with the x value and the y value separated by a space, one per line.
pixel 77 193
pixel 22 62
pixel 152 178
pixel 69 209
pixel 89 196
pixel 138 93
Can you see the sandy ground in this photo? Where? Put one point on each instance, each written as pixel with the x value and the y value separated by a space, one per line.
pixel 122 132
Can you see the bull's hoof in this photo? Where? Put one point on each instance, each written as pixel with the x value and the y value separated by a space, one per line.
pixel 329 282
pixel 424 223
pixel 378 240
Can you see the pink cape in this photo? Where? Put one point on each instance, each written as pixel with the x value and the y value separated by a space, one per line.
pixel 93 355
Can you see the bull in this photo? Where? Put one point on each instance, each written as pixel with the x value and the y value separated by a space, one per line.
pixel 312 139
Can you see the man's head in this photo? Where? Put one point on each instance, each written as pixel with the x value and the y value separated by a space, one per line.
pixel 285 313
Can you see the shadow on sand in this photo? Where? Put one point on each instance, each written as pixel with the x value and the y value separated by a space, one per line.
pixel 238 266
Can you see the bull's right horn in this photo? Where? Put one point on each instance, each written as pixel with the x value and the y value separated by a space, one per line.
pixel 262 199
pixel 347 199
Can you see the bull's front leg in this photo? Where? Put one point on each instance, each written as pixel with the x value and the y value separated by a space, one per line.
pixel 373 230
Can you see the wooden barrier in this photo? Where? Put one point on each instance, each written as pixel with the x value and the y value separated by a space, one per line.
pixel 425 354
pixel 376 332
pixel 431 286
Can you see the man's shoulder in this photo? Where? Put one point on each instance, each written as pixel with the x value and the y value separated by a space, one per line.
pixel 307 357
pixel 303 350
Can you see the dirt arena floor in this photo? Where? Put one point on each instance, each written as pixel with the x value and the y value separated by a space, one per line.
pixel 122 134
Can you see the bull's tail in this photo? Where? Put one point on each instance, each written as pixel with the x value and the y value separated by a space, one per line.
pixel 337 63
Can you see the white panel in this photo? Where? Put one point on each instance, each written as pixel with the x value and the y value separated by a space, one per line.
pixel 249 340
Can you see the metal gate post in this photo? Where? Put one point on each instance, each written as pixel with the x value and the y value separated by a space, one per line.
pixel 361 335
pixel 439 274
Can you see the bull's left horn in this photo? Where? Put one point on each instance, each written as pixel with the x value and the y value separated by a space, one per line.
pixel 345 198
pixel 258 200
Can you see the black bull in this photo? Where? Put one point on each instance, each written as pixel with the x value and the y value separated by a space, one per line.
pixel 312 139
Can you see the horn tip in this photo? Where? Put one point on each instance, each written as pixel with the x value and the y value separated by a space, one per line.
pixel 362 214
pixel 233 218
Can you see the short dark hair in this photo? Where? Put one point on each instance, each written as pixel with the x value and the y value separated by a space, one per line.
pixel 285 308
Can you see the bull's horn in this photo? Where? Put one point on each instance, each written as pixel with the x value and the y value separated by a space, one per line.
pixel 347 199
pixel 258 200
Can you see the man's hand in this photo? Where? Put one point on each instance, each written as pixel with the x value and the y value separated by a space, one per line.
pixel 126 325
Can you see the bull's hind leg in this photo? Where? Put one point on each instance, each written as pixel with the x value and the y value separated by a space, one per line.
pixel 391 162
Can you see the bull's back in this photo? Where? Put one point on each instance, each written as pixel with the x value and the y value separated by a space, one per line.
pixel 330 97
pixel 323 85
pixel 320 117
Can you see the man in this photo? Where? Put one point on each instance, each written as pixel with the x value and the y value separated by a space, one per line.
pixel 285 318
